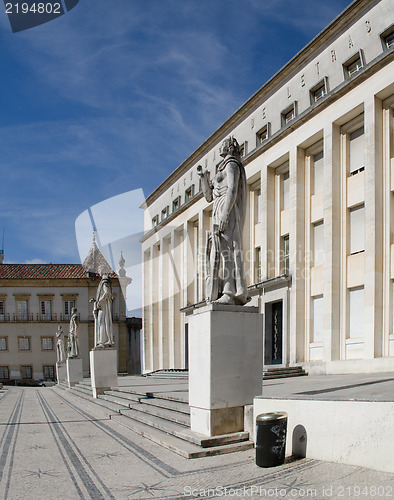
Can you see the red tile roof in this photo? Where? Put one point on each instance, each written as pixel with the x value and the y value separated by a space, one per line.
pixel 42 271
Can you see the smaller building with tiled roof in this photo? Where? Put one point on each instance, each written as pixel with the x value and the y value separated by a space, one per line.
pixel 35 299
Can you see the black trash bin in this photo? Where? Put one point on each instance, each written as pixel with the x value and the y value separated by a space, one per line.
pixel 271 438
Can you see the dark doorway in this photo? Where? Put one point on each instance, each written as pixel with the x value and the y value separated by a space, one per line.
pixel 273 333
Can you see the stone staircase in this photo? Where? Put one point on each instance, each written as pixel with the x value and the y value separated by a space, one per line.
pixel 283 372
pixel 162 418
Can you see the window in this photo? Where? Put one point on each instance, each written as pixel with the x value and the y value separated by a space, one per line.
pixel 318 172
pixel 258 277
pixel 22 310
pixel 4 373
pixel 164 213
pixel 68 307
pixel 357 231
pixel 258 207
pixel 263 134
pixel 155 221
pixel 318 252
pixel 289 114
pixel 24 343
pixel 176 204
pixel 48 371
pixel 389 41
pixel 189 193
pixel 357 151
pixel 353 65
pixel 47 343
pixel 46 310
pixel 3 344
pixel 317 319
pixel 286 256
pixel 2 310
pixel 286 190
pixel 318 91
pixel 356 312
pixel 26 372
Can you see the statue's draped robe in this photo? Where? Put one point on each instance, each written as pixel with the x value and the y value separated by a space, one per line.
pixel 103 304
pixel 226 246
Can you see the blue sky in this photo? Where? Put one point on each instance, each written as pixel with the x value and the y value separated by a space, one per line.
pixel 114 95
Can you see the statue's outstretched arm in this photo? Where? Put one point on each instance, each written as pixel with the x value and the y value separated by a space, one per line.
pixel 205 184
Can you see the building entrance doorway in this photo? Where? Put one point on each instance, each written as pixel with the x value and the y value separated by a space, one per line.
pixel 273 352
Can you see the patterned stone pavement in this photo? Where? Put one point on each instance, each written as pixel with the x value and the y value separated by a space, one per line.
pixel 54 445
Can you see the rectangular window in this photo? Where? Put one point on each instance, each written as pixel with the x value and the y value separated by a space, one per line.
pixel 258 265
pixel 317 319
pixel 22 310
pixel 258 208
pixel 356 313
pixel 68 306
pixel 243 149
pixel 289 116
pixel 4 373
pixel 26 372
pixel 46 310
pixel 318 171
pixel 3 344
pixel 286 190
pixel 164 213
pixel 47 343
pixel 262 135
pixel 189 193
pixel 389 41
pixel 318 252
pixel 357 230
pixel 286 254
pixel 319 92
pixel 155 221
pixel 24 343
pixel 48 371
pixel 2 310
pixel 357 151
pixel 176 204
pixel 353 67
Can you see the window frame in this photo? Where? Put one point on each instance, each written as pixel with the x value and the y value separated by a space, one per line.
pixel 189 193
pixel 284 114
pixel 322 84
pixel 349 62
pixel 176 204
pixel 24 337
pixel 5 337
pixel 385 35
pixel 52 367
pixel 42 342
pixel 8 371
pixel 155 221
pixel 265 129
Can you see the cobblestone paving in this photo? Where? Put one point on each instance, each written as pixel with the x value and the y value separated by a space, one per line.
pixel 54 445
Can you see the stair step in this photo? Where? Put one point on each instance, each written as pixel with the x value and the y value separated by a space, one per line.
pixel 170 415
pixel 179 406
pixel 179 446
pixel 127 396
pixel 183 432
pixel 283 375
pixel 122 402
pixel 149 394
pixel 283 369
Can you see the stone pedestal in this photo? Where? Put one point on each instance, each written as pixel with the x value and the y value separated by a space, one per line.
pixel 74 371
pixel 103 370
pixel 225 366
pixel 61 372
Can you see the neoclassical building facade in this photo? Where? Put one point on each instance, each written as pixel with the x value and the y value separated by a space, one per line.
pixel 318 150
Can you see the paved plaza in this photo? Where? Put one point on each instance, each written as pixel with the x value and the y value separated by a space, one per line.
pixel 55 445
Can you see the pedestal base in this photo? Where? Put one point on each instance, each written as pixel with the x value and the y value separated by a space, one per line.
pixel 225 366
pixel 74 371
pixel 61 372
pixel 103 370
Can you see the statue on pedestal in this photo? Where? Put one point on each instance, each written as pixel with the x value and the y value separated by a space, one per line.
pixel 225 280
pixel 102 311
pixel 73 341
pixel 60 351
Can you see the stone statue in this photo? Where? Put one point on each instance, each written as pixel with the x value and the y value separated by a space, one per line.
pixel 73 341
pixel 102 311
pixel 60 351
pixel 225 280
